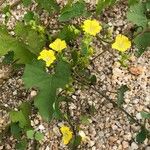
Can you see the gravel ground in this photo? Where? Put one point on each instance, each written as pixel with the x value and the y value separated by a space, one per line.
pixel 107 127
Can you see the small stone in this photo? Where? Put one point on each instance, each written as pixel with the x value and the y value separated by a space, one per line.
pixel 136 70
pixel 15 92
pixel 56 131
pixel 91 143
pixel 41 127
pixel 72 106
pixel 47 148
pixel 36 121
pixel 74 97
pixel 125 144
pixel 118 72
pixel 114 127
pixel 138 116
pixel 93 148
pixel 134 146
pixel 33 94
pixel 101 134
pixel 147 148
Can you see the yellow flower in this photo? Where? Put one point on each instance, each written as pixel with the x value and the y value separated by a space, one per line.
pixel 58 45
pixel 67 134
pixel 48 56
pixel 91 27
pixel 122 43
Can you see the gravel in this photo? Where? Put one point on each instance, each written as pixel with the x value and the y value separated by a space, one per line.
pixel 107 128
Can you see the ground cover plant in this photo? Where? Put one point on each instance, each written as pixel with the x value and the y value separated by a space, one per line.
pixel 54 63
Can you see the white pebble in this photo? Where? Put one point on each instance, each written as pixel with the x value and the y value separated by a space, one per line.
pixel 33 93
pixel 138 116
pixel 15 92
pixel 91 143
pixel 134 146
pixel 41 127
pixel 125 144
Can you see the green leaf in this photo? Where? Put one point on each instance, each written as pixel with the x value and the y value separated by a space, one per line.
pixel 75 57
pixel 145 115
pixel 39 136
pixel 29 16
pixel 10 43
pixel 132 2
pixel 48 5
pixel 136 15
pixel 75 10
pixel 34 40
pixel 9 57
pixel 36 76
pixel 15 130
pixel 120 94
pixel 102 4
pixel 69 33
pixel 18 117
pixel 30 134
pixel 93 79
pixel 57 112
pixel 22 145
pixel 142 135
pixel 142 42
pixel 26 108
pixel 21 116
pixel 148 5
pixel 26 2
pixel 76 142
pixel 84 119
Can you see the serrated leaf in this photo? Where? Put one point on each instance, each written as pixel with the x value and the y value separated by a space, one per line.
pixel 142 41
pixel 35 76
pixel 84 120
pixel 29 16
pixel 26 2
pixel 21 145
pixel 48 5
pixel 102 4
pixel 132 2
pixel 18 117
pixel 9 57
pixel 142 135
pixel 10 43
pixel 21 116
pixel 34 40
pixel 145 115
pixel 15 130
pixel 136 15
pixel 120 94
pixel 93 79
pixel 75 10
pixel 30 134
pixel 69 33
pixel 39 136
pixel 76 141
pixel 148 5
pixel 57 112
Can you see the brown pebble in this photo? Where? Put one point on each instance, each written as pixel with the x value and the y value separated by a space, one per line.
pixel 136 70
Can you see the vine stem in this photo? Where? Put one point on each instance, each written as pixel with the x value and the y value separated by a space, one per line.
pixel 85 83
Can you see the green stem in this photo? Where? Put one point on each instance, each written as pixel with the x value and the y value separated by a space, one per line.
pixel 86 83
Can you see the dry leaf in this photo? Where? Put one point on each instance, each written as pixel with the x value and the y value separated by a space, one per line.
pixel 136 70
